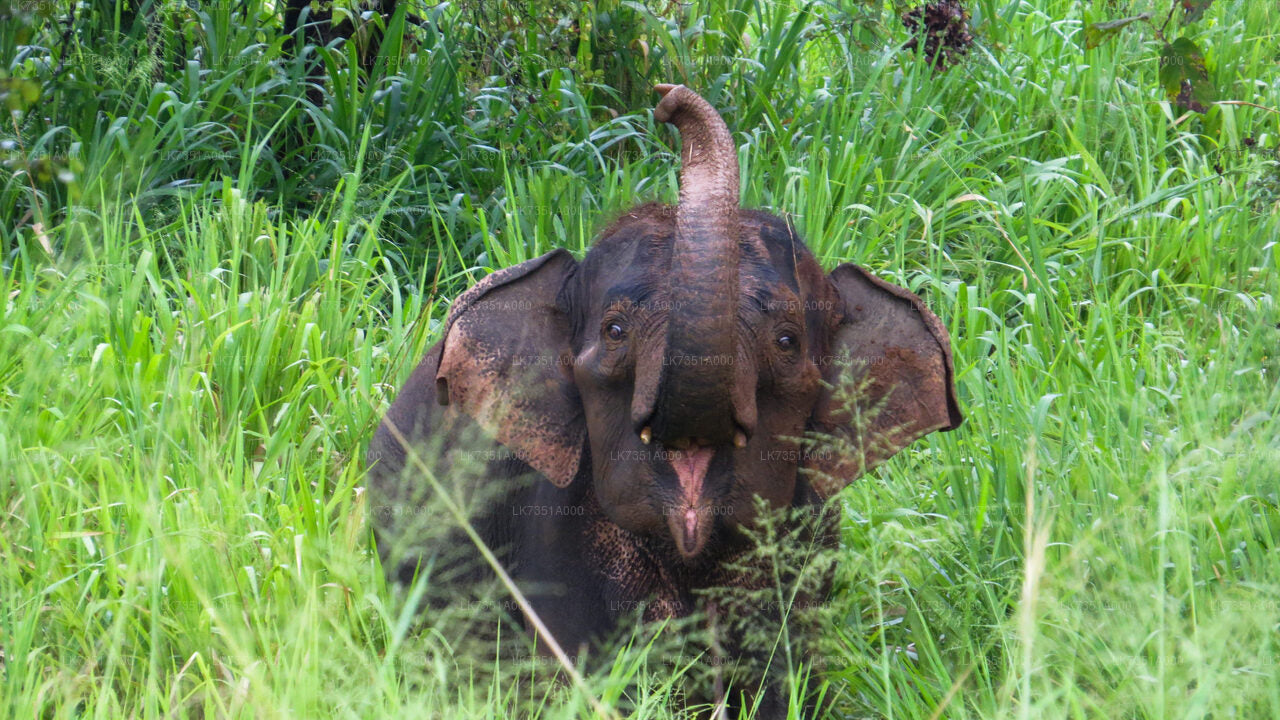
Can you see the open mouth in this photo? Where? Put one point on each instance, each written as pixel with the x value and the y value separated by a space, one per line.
pixel 690 524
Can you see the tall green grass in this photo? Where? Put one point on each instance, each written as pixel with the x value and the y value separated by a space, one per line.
pixel 212 287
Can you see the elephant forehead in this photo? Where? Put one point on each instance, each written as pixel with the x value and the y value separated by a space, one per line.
pixel 757 296
pixel 628 268
pixel 763 292
pixel 637 294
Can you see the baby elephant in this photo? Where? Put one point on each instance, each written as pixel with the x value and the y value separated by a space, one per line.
pixel 696 362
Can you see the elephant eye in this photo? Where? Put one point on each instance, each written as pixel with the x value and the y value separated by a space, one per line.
pixel 615 332
pixel 787 341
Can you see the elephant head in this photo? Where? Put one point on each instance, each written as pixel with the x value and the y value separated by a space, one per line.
pixel 677 369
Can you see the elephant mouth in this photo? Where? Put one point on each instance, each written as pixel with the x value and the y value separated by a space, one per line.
pixel 690 521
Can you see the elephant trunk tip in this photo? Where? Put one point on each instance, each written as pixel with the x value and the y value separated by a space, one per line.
pixel 709 176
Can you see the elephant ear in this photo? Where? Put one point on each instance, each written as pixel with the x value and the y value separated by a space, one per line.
pixel 506 362
pixel 889 379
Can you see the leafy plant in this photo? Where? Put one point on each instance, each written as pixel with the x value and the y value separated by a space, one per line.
pixel 1183 74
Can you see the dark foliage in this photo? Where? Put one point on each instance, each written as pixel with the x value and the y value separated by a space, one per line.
pixel 944 27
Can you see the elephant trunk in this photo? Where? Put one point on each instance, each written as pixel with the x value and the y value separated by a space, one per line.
pixel 695 403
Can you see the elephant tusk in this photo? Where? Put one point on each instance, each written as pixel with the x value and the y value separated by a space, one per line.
pixel 646 435
pixel 740 439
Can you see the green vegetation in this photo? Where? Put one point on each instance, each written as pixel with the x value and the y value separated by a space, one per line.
pixel 224 250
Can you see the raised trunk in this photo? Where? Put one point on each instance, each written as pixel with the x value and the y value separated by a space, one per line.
pixel 695 401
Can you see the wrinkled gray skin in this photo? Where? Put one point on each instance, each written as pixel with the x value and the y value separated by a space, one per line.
pixel 654 389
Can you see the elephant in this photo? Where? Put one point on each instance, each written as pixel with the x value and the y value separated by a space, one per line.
pixel 649 399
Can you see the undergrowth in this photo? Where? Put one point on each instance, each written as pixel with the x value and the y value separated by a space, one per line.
pixel 220 262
